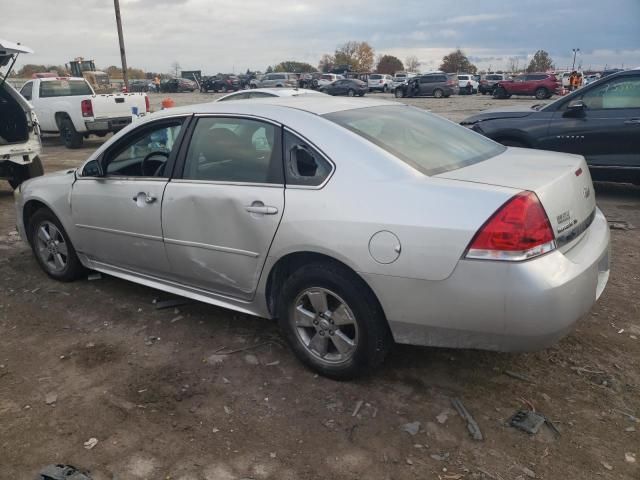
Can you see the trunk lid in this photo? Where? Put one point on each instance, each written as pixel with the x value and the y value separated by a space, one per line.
pixel 9 49
pixel 561 181
pixel 115 105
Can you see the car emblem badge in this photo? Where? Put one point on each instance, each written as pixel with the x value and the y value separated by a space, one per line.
pixel 586 192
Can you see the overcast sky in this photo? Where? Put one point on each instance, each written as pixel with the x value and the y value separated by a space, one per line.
pixel 233 35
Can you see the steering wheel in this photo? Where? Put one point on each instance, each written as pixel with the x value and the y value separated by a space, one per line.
pixel 147 164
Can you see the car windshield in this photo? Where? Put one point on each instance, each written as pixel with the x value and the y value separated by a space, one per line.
pixel 425 141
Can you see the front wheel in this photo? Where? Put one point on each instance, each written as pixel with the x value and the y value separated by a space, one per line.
pixel 500 93
pixel 399 93
pixel 351 93
pixel 52 247
pixel 332 321
pixel 224 89
pixel 541 93
pixel 385 89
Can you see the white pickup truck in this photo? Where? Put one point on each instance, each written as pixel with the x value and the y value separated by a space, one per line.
pixel 70 107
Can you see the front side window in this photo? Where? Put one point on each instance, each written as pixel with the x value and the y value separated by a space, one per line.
pixel 26 90
pixel 303 164
pixel 234 150
pixel 617 93
pixel 64 88
pixel 147 153
pixel 425 141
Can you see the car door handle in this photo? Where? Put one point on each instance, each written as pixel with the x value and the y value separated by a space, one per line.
pixel 145 197
pixel 261 208
pixel 632 121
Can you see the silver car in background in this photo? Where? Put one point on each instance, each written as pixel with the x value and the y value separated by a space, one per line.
pixel 355 222
pixel 267 93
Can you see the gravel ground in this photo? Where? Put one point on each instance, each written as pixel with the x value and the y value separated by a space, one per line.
pixel 95 359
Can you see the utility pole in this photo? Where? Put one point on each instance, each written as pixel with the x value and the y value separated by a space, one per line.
pixel 123 57
pixel 575 50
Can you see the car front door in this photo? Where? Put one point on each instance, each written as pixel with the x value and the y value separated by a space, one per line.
pixel 220 216
pixel 606 131
pixel 116 201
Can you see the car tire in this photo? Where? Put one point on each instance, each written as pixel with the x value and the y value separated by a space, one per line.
pixel 500 93
pixel 541 93
pixel 484 92
pixel 68 134
pixel 385 89
pixel 351 348
pixel 438 93
pixel 50 254
pixel 398 93
pixel 351 93
pixel 361 94
pixel 224 89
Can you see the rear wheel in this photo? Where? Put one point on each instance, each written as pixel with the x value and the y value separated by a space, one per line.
pixel 224 89
pixel 438 93
pixel 52 247
pixel 332 321
pixel 68 134
pixel 351 93
pixel 385 89
pixel 541 93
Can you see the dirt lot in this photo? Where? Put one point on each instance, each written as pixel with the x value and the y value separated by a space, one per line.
pixel 96 359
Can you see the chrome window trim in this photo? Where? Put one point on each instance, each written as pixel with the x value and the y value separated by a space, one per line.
pixel 113 177
pixel 208 246
pixel 319 150
pixel 238 115
pixel 219 182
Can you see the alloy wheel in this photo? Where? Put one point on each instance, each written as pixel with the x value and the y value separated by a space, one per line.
pixel 325 325
pixel 51 247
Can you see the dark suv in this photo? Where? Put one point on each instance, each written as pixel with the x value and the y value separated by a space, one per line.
pixel 432 84
pixel 220 83
pixel 539 85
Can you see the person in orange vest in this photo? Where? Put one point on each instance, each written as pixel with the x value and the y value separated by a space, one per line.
pixel 574 81
pixel 156 82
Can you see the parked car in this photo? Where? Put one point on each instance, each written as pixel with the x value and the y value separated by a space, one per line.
pixel 309 80
pixel 68 106
pixel 539 85
pixel 400 78
pixel 141 86
pixel 600 121
pixel 268 92
pixel 380 82
pixel 328 78
pixel 20 145
pixel 587 79
pixel 489 81
pixel 220 83
pixel 177 85
pixel 433 84
pixel 348 86
pixel 467 83
pixel 195 205
pixel 277 80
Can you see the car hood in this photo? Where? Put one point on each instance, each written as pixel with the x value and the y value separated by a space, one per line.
pixel 504 112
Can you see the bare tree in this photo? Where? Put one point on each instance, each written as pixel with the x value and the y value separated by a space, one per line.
pixel 411 63
pixel 513 64
pixel 175 69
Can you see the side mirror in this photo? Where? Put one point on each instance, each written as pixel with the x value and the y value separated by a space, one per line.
pixel 575 108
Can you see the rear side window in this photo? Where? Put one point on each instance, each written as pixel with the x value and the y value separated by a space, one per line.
pixel 494 77
pixel 26 90
pixel 64 88
pixel 375 77
pixel 425 141
pixel 303 164
pixel 536 77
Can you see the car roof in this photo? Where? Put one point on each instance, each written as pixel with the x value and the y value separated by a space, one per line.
pixel 278 92
pixel 54 79
pixel 314 104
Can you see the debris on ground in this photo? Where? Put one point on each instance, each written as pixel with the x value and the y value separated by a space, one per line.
pixel 357 408
pixel 272 364
pixel 441 457
pixel 92 442
pixel 94 276
pixel 620 225
pixel 150 340
pixel 61 472
pixel 472 425
pixel 411 428
pixel 251 359
pixel 443 416
pixel 528 472
pixel 50 398
pixel 519 376
pixel 175 319
pixel 530 421
pixel 606 465
pixel 630 457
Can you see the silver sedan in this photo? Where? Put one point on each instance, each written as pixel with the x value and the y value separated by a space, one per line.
pixel 356 223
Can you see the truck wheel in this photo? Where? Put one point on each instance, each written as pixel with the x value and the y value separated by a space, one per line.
pixel 70 137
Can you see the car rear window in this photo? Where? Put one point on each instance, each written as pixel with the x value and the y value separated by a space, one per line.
pixel 64 88
pixel 375 77
pixel 494 77
pixel 463 77
pixel 425 141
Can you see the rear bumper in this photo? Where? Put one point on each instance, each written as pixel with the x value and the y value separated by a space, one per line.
pixel 500 306
pixel 107 125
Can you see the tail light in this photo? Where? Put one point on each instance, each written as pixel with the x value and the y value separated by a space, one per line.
pixel 146 104
pixel 87 108
pixel 517 231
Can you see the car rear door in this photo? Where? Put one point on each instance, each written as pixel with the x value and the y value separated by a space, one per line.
pixel 606 132
pixel 426 85
pixel 221 213
pixel 116 201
